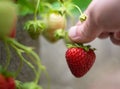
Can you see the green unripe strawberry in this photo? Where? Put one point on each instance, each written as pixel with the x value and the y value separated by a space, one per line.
pixel 8 16
pixel 31 85
pixel 34 28
pixel 27 85
pixel 54 21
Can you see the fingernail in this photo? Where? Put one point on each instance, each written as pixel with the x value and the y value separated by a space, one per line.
pixel 72 32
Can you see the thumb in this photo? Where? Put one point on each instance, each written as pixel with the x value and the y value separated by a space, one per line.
pixel 85 31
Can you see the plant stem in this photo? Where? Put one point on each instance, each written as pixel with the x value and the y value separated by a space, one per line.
pixel 38 70
pixel 19 52
pixel 78 9
pixel 47 5
pixel 21 61
pixel 25 48
pixel 29 51
pixel 32 55
pixel 8 55
pixel 36 10
pixel 40 66
pixel 47 79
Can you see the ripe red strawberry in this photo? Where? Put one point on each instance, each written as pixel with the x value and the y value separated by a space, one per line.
pixel 11 83
pixel 3 83
pixel 80 60
pixel 7 82
pixel 6 79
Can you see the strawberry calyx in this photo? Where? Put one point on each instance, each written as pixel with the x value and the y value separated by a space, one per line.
pixel 82 17
pixel 59 34
pixel 35 25
pixel 62 34
pixel 34 28
pixel 6 73
pixel 27 85
pixel 80 45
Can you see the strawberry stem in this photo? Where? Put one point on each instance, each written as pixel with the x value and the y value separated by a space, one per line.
pixel 18 51
pixel 59 34
pixel 62 34
pixel 47 5
pixel 36 10
pixel 40 66
pixel 8 55
pixel 82 17
pixel 19 48
pixel 78 9
pixel 48 78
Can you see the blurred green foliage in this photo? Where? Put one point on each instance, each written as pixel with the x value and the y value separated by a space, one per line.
pixel 28 6
pixel 82 3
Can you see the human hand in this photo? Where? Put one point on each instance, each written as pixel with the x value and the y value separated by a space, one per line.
pixel 103 20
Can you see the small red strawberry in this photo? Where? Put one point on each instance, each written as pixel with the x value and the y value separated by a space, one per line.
pixel 80 59
pixel 6 79
pixel 7 82
pixel 11 83
pixel 3 83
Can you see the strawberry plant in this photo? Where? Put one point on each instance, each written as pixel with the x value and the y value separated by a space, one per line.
pixel 7 36
pixel 49 19
pixel 79 57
